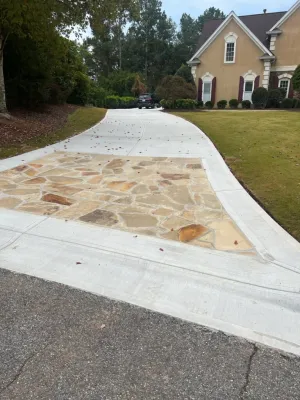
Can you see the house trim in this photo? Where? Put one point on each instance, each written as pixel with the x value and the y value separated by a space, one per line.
pixel 231 16
pixel 286 15
pixel 284 68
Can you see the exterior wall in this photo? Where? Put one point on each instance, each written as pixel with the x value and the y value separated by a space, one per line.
pixel 287 46
pixel 228 75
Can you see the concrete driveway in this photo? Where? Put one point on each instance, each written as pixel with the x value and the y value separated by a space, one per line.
pixel 142 208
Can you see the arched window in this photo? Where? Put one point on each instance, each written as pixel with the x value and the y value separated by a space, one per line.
pixel 230 48
pixel 284 82
pixel 207 87
pixel 249 79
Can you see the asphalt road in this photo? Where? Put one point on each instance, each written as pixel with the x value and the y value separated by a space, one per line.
pixel 60 343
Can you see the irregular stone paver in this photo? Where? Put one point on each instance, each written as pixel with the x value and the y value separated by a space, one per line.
pixel 170 198
pixel 191 232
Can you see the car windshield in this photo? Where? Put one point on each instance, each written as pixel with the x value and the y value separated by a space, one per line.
pixel 145 96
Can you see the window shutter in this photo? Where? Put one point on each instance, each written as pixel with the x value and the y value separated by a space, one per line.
pixel 256 82
pixel 213 90
pixel 274 81
pixel 200 84
pixel 241 89
pixel 291 90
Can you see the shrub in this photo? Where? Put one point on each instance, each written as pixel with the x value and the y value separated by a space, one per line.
pixel 97 96
pixel 167 104
pixel 283 92
pixel 260 97
pixel 127 102
pixel 209 104
pixel 275 98
pixel 138 86
pixel 185 72
pixel 112 102
pixel 296 103
pixel 186 104
pixel 296 79
pixel 174 88
pixel 233 103
pixel 199 104
pixel 80 93
pixel 246 104
pixel 287 103
pixel 222 104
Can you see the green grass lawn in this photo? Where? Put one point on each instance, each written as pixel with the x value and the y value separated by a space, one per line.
pixel 262 148
pixel 77 122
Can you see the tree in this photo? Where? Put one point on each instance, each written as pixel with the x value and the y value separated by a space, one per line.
pixel 148 46
pixel 296 82
pixel 35 18
pixel 138 87
pixel 185 72
pixel 174 88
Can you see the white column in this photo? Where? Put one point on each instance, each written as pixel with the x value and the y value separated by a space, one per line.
pixel 193 70
pixel 272 42
pixel 266 76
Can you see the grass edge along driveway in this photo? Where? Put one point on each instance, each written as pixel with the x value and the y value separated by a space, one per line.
pixel 262 149
pixel 77 122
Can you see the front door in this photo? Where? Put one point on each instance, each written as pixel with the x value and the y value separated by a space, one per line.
pixel 206 92
pixel 248 89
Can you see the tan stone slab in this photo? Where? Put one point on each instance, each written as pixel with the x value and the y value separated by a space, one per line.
pixel 34 165
pixel 54 198
pixel 39 208
pixel 140 189
pixel 174 223
pixel 55 172
pixel 180 194
pixel 211 201
pixel 66 180
pixel 138 220
pixel 9 202
pixel 163 212
pixel 61 189
pixel 207 215
pixel 77 210
pixel 35 181
pixel 194 166
pixel 116 163
pixel 5 184
pixel 31 172
pixel 122 186
pixel 158 200
pixel 22 192
pixel 95 180
pixel 171 235
pixel 228 236
pixel 100 217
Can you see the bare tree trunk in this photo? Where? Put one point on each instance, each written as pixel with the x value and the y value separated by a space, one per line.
pixel 3 109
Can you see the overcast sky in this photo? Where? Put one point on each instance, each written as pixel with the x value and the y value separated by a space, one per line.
pixel 175 8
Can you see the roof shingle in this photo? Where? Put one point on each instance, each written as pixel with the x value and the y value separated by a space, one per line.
pixel 258 24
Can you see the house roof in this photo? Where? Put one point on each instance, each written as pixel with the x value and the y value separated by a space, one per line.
pixel 258 24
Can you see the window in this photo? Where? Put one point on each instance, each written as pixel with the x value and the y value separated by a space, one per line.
pixel 230 52
pixel 230 48
pixel 207 87
pixel 285 84
pixel 249 86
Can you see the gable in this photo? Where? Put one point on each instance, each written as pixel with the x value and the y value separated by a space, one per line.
pixel 287 15
pixel 231 17
pixel 287 46
pixel 247 52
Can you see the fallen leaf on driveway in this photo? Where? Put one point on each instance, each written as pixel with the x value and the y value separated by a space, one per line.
pixel 236 242
pixel 161 249
pixel 78 262
pixel 102 326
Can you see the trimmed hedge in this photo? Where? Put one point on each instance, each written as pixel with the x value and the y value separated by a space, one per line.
pixel 222 104
pixel 185 104
pixel 275 97
pixel 233 103
pixel 260 97
pixel 287 103
pixel 209 104
pixel 199 104
pixel 120 102
pixel 246 104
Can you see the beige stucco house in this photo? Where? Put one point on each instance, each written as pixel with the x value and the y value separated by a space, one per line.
pixel 237 54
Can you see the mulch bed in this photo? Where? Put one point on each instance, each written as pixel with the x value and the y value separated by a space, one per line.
pixel 29 124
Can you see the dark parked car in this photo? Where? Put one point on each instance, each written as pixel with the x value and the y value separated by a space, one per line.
pixel 146 100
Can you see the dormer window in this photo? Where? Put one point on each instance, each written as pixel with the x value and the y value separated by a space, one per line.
pixel 230 48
